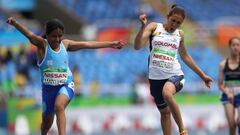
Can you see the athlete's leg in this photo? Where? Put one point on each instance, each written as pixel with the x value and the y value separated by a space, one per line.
pixel 48 100
pixel 238 120
pixel 60 104
pixel 47 122
pixel 166 121
pixel 65 95
pixel 156 87
pixel 237 107
pixel 229 112
pixel 169 90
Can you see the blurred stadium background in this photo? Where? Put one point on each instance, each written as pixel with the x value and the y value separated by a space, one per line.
pixel 112 96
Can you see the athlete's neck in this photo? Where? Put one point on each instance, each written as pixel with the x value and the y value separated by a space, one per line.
pixel 168 29
pixel 234 58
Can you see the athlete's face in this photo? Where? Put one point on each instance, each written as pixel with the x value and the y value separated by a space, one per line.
pixel 235 46
pixel 55 38
pixel 173 22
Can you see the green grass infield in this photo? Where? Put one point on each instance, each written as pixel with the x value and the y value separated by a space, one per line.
pixel 184 99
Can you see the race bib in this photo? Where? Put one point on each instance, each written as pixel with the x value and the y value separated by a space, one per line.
pixel 162 60
pixel 162 64
pixel 235 90
pixel 233 86
pixel 54 76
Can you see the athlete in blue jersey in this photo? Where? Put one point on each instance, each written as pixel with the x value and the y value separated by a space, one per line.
pixel 165 74
pixel 57 80
pixel 229 85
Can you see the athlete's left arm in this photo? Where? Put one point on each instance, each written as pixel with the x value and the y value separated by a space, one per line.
pixel 191 63
pixel 72 45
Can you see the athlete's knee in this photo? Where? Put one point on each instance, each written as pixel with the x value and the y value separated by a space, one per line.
pixel 59 107
pixel 47 121
pixel 167 94
pixel 44 129
pixel 165 112
pixel 60 103
pixel 45 126
pixel 232 125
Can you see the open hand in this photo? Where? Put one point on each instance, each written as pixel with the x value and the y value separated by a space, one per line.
pixel 118 44
pixel 207 80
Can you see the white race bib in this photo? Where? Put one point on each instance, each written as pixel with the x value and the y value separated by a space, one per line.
pixel 162 61
pixel 54 77
pixel 235 91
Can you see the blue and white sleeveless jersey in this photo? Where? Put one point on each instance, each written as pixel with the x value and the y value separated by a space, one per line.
pixel 163 62
pixel 54 67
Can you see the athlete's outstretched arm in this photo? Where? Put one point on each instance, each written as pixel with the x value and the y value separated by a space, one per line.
pixel 34 39
pixel 191 63
pixel 72 45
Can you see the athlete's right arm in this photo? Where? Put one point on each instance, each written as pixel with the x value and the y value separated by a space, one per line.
pixel 221 85
pixel 34 39
pixel 144 33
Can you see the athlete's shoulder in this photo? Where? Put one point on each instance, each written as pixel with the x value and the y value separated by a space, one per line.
pixel 66 42
pixel 153 25
pixel 222 63
pixel 181 32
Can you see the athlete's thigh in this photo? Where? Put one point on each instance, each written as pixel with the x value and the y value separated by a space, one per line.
pixel 238 114
pixel 169 87
pixel 61 101
pixel 237 106
pixel 48 100
pixel 237 101
pixel 178 82
pixel 65 94
pixel 48 119
pixel 156 87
